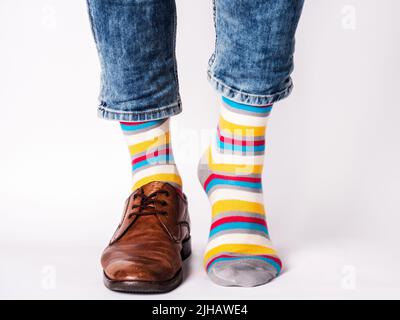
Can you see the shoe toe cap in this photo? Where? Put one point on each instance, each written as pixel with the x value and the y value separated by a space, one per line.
pixel 139 270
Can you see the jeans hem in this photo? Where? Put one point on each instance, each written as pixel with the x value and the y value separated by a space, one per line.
pixel 248 98
pixel 147 115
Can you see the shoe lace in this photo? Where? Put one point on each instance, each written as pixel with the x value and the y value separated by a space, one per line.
pixel 148 203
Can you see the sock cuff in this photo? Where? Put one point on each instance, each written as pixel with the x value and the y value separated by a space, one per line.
pixel 246 108
pixel 136 127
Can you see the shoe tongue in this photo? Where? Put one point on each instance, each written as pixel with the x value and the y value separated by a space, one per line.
pixel 153 187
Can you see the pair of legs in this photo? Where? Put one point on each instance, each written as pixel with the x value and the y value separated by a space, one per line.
pixel 250 68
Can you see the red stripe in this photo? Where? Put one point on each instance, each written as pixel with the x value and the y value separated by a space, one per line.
pixel 131 123
pixel 238 219
pixel 277 260
pixel 240 142
pixel 150 155
pixel 219 176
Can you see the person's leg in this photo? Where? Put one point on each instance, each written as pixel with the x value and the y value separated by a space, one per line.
pixel 136 46
pixel 150 148
pixel 139 88
pixel 251 69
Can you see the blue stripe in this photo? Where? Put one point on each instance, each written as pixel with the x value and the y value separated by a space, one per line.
pixel 238 225
pixel 245 184
pixel 141 126
pixel 241 106
pixel 235 147
pixel 269 261
pixel 156 160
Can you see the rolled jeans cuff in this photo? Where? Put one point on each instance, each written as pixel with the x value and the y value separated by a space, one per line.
pixel 108 113
pixel 248 98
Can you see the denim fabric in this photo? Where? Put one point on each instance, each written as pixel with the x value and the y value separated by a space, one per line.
pixel 251 64
pixel 136 44
pixel 253 56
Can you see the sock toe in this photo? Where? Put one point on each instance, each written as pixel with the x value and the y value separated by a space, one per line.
pixel 242 273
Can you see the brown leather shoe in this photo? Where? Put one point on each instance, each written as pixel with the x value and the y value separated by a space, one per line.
pixel 146 252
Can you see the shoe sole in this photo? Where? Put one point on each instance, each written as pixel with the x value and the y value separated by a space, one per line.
pixel 150 287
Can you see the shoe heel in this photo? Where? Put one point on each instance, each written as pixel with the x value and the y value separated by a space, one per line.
pixel 186 248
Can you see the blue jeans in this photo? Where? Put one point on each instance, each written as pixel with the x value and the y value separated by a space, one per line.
pixel 251 64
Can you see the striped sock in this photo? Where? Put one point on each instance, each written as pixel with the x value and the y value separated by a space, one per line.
pixel 151 153
pixel 239 252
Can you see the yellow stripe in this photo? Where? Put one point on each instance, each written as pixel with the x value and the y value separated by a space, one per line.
pixel 167 177
pixel 233 168
pixel 149 144
pixel 238 130
pixel 250 249
pixel 237 205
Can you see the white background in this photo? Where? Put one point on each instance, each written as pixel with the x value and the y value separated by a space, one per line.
pixel 331 177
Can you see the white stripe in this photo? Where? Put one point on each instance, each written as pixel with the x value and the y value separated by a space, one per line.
pixel 148 134
pixel 234 194
pixel 157 169
pixel 239 238
pixel 227 158
pixel 243 119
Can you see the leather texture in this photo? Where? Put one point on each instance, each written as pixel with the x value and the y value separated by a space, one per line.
pixel 147 244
